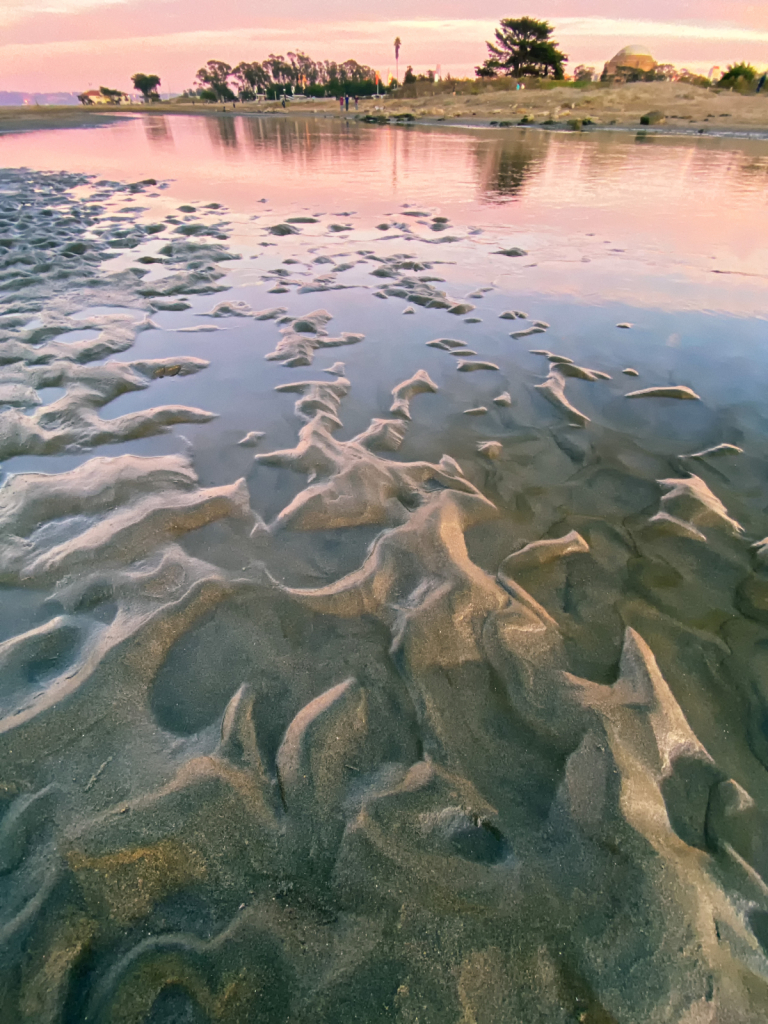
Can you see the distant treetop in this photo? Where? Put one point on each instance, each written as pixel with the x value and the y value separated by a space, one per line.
pixel 146 85
pixel 738 76
pixel 523 47
pixel 278 75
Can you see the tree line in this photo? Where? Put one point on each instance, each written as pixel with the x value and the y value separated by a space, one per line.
pixel 278 75
pixel 521 48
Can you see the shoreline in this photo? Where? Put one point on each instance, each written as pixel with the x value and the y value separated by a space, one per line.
pixel 58 118
pixel 680 111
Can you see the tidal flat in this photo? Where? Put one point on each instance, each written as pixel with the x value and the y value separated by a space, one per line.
pixel 384 590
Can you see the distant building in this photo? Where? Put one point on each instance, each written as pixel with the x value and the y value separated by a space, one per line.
pixel 715 74
pixel 635 57
pixel 94 97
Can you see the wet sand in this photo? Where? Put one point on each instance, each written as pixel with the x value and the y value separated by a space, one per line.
pixel 407 715
pixel 30 119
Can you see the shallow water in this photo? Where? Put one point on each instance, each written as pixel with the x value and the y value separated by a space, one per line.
pixel 313 746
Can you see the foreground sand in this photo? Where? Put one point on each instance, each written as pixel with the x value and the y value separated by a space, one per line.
pixel 391 744
pixel 685 109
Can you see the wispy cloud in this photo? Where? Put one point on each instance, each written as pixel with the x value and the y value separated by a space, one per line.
pixel 13 11
pixel 456 43
pixel 636 28
pixel 464 29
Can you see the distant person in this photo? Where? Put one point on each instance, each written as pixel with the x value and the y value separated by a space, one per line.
pixel 346 102
pixel 341 104
pixel 356 98
pixel 283 100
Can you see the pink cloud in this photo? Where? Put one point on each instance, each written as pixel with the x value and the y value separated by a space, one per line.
pixel 79 43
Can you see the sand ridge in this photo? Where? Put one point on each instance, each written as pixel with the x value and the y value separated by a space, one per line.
pixel 450 769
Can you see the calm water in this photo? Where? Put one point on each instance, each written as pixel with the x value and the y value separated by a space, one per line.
pixel 358 765
pixel 655 216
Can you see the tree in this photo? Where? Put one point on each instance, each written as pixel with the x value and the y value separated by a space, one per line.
pixel 398 44
pixel 147 86
pixel 353 73
pixel 666 72
pixel 409 78
pixel 523 47
pixel 627 73
pixel 214 77
pixel 583 74
pixel 738 76
pixel 278 75
pixel 280 70
pixel 113 95
pixel 251 78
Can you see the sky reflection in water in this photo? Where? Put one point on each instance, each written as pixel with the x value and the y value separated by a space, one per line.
pixel 680 206
pixel 666 234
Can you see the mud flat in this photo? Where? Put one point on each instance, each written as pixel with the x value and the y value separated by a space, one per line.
pixel 30 119
pixel 438 717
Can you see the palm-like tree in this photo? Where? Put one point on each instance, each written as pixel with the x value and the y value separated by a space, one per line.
pixel 397 58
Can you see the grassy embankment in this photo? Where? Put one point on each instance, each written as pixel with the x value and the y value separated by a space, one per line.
pixel 683 106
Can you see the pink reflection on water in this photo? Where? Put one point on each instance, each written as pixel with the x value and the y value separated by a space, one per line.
pixel 674 203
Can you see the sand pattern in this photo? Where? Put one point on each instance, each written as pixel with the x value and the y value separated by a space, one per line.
pixel 458 777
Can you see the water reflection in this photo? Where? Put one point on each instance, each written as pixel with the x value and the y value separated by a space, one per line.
pixel 158 129
pixel 694 199
pixel 222 131
pixel 504 167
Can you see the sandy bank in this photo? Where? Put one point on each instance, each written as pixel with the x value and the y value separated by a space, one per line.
pixel 683 108
pixel 29 119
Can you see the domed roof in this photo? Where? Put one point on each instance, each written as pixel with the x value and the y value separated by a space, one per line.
pixel 633 51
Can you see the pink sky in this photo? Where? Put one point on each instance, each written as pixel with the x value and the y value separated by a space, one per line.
pixel 70 45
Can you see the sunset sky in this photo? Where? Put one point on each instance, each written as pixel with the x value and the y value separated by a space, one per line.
pixel 71 45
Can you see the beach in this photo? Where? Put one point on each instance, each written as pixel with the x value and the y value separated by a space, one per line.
pixel 384 566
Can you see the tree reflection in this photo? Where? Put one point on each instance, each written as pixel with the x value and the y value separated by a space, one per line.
pixel 158 130
pixel 305 141
pixel 506 165
pixel 222 131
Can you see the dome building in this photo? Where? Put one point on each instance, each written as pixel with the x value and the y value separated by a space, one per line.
pixel 635 57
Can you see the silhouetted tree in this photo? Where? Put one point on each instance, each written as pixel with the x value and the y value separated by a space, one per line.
pixel 214 77
pixel 250 78
pixel 738 76
pixel 146 85
pixel 583 74
pixel 278 74
pixel 523 47
pixel 113 95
